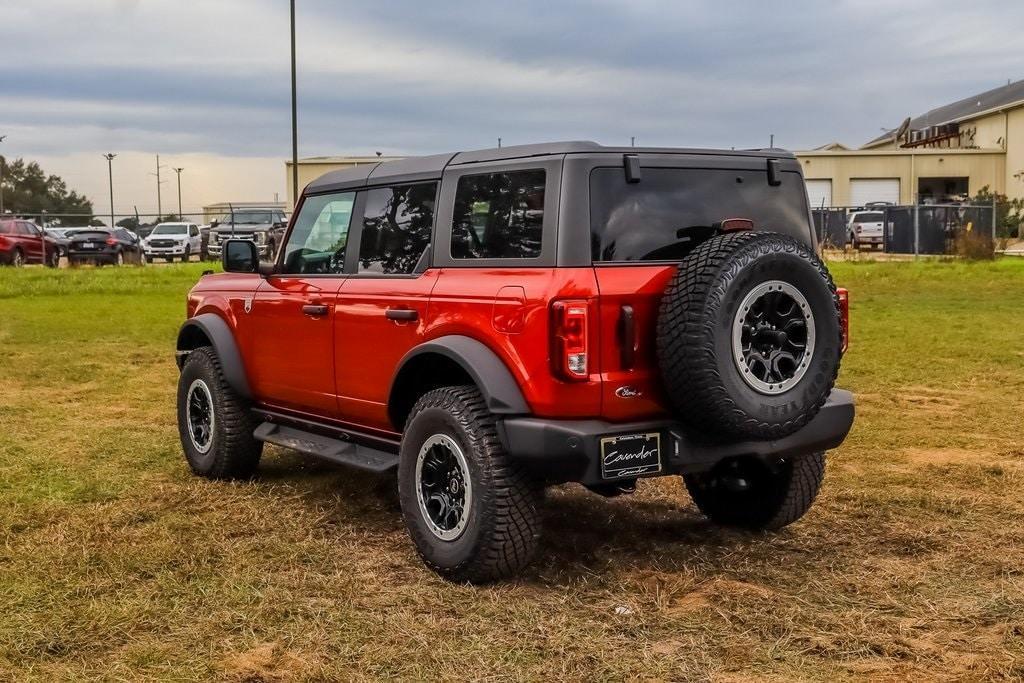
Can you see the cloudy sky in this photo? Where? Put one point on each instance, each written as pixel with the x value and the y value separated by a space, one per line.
pixel 206 84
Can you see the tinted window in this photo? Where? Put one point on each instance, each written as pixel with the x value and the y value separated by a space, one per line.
pixel 661 217
pixel 397 223
pixel 318 240
pixel 499 215
pixel 868 218
pixel 123 235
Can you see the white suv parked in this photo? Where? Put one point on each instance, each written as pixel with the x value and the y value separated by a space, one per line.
pixel 171 240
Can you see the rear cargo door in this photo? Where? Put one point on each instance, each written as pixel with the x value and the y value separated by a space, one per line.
pixel 640 230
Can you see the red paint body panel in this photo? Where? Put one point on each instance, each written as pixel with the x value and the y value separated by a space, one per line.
pixel 639 287
pixel 368 346
pixel 340 365
pixel 293 353
pixel 466 302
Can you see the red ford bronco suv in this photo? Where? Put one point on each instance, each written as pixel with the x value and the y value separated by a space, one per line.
pixel 495 321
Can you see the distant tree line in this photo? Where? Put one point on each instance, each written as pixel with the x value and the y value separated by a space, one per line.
pixel 27 189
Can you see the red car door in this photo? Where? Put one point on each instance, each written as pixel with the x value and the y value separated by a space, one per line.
pixel 292 313
pixel 31 242
pixel 382 308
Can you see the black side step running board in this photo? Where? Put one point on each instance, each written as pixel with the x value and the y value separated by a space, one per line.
pixel 334 450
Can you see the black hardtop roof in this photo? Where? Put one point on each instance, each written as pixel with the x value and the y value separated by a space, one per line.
pixel 413 169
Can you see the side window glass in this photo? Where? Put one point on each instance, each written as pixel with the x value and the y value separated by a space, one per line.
pixel 397 224
pixel 193 231
pixel 318 240
pixel 499 215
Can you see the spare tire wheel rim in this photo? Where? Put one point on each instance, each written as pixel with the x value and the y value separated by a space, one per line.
pixel 773 337
pixel 200 416
pixel 443 486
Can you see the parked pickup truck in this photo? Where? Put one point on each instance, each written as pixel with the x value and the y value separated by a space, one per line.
pixel 492 322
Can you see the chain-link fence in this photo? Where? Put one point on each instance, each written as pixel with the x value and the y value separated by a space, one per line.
pixel 934 229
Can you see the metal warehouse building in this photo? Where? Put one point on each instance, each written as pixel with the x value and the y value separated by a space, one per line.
pixel 945 155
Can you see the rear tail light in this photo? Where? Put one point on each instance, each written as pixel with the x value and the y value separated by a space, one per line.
pixel 111 242
pixel 569 328
pixel 844 315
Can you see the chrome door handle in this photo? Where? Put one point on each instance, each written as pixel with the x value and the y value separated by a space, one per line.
pixel 401 314
pixel 315 310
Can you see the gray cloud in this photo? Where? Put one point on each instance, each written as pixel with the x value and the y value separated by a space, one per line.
pixel 405 76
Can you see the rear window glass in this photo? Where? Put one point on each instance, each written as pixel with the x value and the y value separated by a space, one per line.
pixel 397 223
pixel 867 218
pixel 499 215
pixel 663 215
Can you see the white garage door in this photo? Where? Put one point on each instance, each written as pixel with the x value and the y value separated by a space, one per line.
pixel 819 193
pixel 864 190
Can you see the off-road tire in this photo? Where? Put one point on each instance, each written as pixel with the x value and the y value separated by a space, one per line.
pixel 695 336
pixel 234 453
pixel 503 527
pixel 780 493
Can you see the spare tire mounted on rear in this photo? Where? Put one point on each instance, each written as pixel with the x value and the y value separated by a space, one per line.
pixel 749 336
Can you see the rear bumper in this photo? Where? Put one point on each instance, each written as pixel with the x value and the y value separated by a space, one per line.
pixel 569 450
pixel 93 256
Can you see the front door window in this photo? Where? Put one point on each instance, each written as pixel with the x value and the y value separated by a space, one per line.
pixel 317 243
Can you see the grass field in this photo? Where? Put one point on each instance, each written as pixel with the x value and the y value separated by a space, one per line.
pixel 117 564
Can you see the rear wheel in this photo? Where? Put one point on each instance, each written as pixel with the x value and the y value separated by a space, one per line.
pixel 119 259
pixel 17 258
pixel 53 258
pixel 470 510
pixel 214 423
pixel 754 494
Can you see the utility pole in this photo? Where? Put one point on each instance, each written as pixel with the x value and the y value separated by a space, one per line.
pixel 632 141
pixel 178 171
pixel 110 174
pixel 2 138
pixel 771 141
pixel 499 143
pixel 295 121
pixel 159 203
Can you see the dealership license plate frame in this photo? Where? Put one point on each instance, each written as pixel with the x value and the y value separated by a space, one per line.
pixel 633 456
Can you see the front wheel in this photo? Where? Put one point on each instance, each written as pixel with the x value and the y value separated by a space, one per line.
pixel 754 494
pixel 214 423
pixel 470 510
pixel 185 257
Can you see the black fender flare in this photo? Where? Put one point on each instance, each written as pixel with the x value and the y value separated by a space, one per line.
pixel 489 373
pixel 212 327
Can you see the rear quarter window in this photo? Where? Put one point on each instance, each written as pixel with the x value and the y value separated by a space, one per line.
pixel 671 209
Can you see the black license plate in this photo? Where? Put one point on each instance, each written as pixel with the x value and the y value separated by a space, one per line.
pixel 630 455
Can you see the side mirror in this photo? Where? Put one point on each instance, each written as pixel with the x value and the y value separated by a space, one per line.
pixel 240 256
